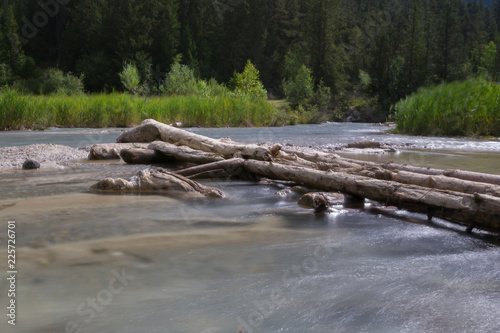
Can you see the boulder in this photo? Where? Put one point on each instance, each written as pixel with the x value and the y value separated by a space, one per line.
pixel 31 165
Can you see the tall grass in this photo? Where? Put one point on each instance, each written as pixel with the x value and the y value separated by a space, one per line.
pixel 466 108
pixel 120 110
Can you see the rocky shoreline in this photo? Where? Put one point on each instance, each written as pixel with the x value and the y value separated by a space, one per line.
pixel 48 155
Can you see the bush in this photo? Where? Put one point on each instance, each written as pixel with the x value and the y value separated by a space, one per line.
pixel 462 108
pixel 180 80
pixel 299 89
pixel 248 82
pixel 54 81
pixel 5 74
pixel 129 78
pixel 322 98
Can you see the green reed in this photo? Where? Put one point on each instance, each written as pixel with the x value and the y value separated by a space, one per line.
pixel 19 111
pixel 465 108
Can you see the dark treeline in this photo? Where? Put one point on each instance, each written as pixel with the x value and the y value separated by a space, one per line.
pixel 381 50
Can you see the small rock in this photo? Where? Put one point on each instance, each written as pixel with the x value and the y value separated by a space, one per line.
pixel 318 199
pixel 365 144
pixel 31 165
pixel 284 193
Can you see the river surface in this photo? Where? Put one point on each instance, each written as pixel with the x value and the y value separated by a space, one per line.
pixel 254 261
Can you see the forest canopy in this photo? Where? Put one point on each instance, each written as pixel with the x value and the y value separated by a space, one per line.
pixel 377 50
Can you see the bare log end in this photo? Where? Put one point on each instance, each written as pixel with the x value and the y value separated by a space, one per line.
pixel 148 131
pixel 99 153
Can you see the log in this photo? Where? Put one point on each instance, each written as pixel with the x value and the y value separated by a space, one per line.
pixel 156 181
pixel 454 180
pixel 482 211
pixel 151 130
pixel 143 156
pixel 433 181
pixel 233 167
pixel 329 158
pixel 472 199
pixel 183 153
pixel 111 151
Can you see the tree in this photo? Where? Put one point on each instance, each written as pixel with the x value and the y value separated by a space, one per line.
pixel 299 88
pixel 248 82
pixel 129 78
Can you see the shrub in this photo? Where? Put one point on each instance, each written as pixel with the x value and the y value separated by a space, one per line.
pixel 180 80
pixel 54 81
pixel 299 89
pixel 129 78
pixel 248 82
pixel 5 74
pixel 322 97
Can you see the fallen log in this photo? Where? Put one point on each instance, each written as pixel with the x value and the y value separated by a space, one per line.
pixel 474 202
pixel 184 154
pixel 342 162
pixel 151 130
pixel 111 151
pixel 143 156
pixel 158 181
pixel 453 180
pixel 233 167
pixel 481 211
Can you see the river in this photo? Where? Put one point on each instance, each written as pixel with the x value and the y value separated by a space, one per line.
pixel 254 262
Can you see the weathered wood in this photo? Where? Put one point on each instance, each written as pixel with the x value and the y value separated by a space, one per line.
pixel 232 166
pixel 152 130
pixel 483 210
pixel 473 201
pixel 432 181
pixel 184 154
pixel 143 156
pixel 453 180
pixel 111 151
pixel 156 181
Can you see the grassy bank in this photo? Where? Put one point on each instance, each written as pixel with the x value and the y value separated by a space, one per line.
pixel 19 111
pixel 467 108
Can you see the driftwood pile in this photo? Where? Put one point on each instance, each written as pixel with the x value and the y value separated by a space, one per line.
pixel 468 198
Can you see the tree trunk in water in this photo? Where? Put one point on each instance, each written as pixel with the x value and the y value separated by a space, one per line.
pixel 481 210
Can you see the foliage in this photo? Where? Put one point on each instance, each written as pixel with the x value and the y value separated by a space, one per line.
pixel 5 74
pixel 248 82
pixel 129 78
pixel 100 110
pixel 180 80
pixel 300 88
pixel 466 108
pixel 322 97
pixel 397 46
pixel 52 81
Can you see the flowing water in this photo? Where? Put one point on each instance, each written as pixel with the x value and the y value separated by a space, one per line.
pixel 254 261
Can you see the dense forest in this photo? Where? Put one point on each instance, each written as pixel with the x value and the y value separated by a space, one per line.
pixel 377 51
